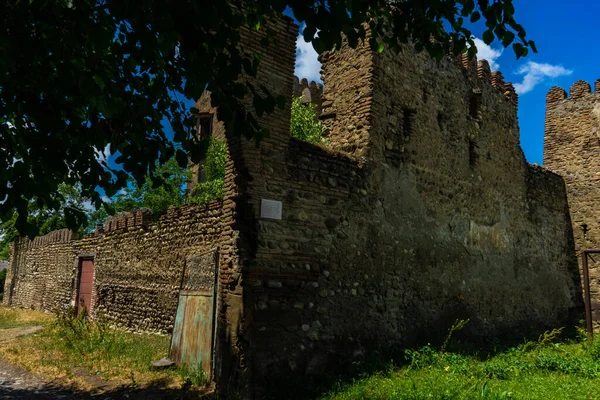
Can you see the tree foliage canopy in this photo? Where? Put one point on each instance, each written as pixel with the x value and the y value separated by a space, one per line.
pixel 133 197
pixel 158 198
pixel 44 219
pixel 77 75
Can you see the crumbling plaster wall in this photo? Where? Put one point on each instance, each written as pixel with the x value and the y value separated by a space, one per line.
pixel 571 148
pixel 489 233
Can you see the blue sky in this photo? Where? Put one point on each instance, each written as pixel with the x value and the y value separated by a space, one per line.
pixel 566 37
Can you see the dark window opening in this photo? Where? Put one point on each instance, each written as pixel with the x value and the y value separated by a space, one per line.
pixel 475 105
pixel 441 119
pixel 205 126
pixel 473 156
pixel 408 122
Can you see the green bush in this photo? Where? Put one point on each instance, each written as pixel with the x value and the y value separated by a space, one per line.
pixel 214 172
pixel 304 124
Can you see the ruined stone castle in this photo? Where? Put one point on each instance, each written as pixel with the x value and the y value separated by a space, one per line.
pixel 420 211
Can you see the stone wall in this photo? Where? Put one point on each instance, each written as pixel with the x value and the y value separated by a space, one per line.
pixel 571 148
pixel 347 98
pixel 41 272
pixel 249 173
pixel 423 210
pixel 138 266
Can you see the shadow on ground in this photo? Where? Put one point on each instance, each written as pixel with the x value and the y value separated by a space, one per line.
pixel 155 391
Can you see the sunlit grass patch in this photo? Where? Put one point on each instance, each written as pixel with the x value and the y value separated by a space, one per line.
pixel 546 369
pixel 14 318
pixel 83 353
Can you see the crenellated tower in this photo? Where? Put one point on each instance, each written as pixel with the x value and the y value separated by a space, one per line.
pixel 372 103
pixel 572 149
pixel 311 92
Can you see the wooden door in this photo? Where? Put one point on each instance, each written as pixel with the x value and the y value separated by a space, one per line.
pixel 86 285
pixel 192 343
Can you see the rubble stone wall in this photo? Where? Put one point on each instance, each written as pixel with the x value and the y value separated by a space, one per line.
pixel 571 148
pixel 276 74
pixel 421 211
pixel 41 272
pixel 138 266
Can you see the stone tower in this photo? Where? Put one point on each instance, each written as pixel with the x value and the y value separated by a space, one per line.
pixel 572 149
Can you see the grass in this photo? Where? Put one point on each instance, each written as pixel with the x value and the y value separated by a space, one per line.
pixel 86 355
pixel 16 318
pixel 546 369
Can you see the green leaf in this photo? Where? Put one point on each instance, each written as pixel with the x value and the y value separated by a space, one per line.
pixel 318 45
pixel 376 45
pixel 99 81
pixel 488 37
pixel 533 46
pixel 520 50
pixel 281 102
pixel 85 85
pixel 182 158
pixel 476 16
pixel 508 38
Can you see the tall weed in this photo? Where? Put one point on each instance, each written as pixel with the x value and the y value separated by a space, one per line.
pixel 76 333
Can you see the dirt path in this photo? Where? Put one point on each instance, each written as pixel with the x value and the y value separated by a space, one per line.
pixel 17 383
pixel 11 333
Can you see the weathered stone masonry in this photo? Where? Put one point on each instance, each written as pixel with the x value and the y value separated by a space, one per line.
pixel 571 148
pixel 421 210
pixel 138 266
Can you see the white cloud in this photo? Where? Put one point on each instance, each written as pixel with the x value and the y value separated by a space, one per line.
pixel 307 65
pixel 535 73
pixel 485 52
pixel 88 206
pixel 103 155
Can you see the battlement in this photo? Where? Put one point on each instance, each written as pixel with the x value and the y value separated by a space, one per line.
pixel 141 218
pixel 59 236
pixel 578 90
pixel 144 217
pixel 485 74
pixel 311 92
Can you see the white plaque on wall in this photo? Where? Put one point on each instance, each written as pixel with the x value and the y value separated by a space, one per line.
pixel 271 209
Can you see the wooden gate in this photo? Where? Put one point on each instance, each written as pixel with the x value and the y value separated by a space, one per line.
pixel 192 343
pixel 86 285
